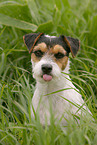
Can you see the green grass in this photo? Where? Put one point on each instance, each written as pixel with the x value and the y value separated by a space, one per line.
pixel 71 18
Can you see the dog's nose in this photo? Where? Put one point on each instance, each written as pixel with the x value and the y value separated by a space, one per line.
pixel 46 68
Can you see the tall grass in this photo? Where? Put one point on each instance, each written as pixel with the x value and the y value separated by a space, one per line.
pixel 71 18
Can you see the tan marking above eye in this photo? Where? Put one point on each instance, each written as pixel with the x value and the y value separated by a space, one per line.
pixel 34 58
pixel 41 46
pixel 58 48
pixel 51 52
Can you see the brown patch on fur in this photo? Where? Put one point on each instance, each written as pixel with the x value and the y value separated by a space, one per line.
pixel 62 62
pixel 42 46
pixel 34 58
pixel 54 50
pixel 57 48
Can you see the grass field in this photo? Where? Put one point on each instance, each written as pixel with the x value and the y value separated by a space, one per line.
pixel 69 17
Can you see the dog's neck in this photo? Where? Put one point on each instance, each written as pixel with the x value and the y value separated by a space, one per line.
pixel 49 87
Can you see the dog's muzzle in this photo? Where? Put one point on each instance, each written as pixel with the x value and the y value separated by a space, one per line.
pixel 47 69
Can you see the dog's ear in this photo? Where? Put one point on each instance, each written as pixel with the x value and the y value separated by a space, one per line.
pixel 73 44
pixel 31 39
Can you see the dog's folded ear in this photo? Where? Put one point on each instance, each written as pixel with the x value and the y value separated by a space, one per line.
pixel 73 44
pixel 31 39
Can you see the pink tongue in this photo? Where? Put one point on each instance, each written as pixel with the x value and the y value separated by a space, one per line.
pixel 47 77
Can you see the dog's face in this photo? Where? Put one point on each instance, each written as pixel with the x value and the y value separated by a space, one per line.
pixel 49 54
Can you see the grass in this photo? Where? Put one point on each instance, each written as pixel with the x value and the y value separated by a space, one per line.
pixel 71 18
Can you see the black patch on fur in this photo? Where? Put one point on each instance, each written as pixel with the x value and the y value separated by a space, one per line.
pixel 75 45
pixel 29 39
pixel 68 43
pixel 50 42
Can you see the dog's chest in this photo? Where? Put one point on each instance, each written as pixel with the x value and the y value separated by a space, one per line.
pixel 47 105
pixel 55 98
pixel 47 100
pixel 47 95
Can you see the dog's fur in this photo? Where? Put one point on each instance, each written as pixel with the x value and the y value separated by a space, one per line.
pixel 49 57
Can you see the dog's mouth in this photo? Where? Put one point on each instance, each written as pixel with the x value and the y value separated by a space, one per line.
pixel 47 77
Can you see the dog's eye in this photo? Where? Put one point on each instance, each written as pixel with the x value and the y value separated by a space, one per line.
pixel 38 53
pixel 59 55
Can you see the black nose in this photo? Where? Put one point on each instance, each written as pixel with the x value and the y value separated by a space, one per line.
pixel 46 68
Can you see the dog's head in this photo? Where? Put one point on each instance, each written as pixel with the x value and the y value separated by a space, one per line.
pixel 49 54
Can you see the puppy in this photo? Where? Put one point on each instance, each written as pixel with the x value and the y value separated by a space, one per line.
pixel 54 89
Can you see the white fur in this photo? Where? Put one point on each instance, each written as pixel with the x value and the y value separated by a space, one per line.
pixel 60 106
pixel 50 36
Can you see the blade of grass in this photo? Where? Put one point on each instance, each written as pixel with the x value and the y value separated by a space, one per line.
pixel 9 21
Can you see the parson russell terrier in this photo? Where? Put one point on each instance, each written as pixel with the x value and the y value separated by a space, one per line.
pixel 54 89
